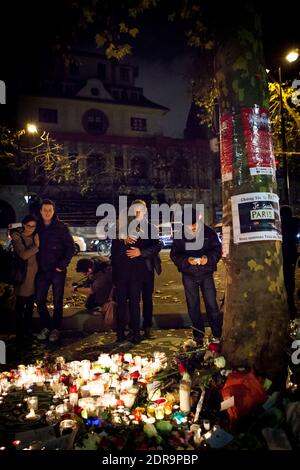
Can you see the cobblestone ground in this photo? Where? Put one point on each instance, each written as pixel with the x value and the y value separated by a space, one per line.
pixel 83 346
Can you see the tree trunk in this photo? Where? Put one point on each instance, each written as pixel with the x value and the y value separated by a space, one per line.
pixel 255 328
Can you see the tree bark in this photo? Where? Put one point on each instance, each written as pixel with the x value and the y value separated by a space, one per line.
pixel 255 328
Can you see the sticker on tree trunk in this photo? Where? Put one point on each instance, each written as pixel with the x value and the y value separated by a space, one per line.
pixel 258 141
pixel 255 217
pixel 226 142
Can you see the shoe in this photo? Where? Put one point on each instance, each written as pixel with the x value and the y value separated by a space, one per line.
pixel 54 336
pixel 43 334
pixel 136 338
pixel 120 337
pixel 147 333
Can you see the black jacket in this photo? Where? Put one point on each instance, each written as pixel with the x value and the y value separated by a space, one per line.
pixel 135 268
pixel 212 248
pixel 56 245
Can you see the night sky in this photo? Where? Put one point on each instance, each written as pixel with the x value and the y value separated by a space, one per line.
pixel 33 27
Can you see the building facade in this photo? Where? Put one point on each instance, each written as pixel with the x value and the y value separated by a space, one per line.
pixel 114 133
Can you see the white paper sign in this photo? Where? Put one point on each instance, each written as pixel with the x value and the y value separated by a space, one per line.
pixel 255 217
pixel 227 403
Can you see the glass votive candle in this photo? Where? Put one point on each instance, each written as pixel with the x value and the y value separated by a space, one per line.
pixel 67 426
pixel 206 424
pixel 160 411
pixel 32 403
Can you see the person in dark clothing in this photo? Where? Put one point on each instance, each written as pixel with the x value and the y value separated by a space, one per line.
pixel 153 263
pixel 98 285
pixel 290 227
pixel 26 246
pixel 133 260
pixel 197 267
pixel 55 253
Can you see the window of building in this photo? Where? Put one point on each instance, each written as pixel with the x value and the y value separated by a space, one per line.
pixel 124 74
pixel 74 68
pixel 48 115
pixel 138 124
pixel 101 71
pixel 95 91
pixel 95 121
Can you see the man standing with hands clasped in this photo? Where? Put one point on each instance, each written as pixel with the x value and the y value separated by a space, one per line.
pixel 197 266
pixel 55 252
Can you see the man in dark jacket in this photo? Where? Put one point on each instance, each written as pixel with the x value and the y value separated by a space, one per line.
pixel 133 261
pixel 197 267
pixel 55 253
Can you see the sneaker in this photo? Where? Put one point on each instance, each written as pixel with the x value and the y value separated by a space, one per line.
pixel 54 336
pixel 136 338
pixel 120 337
pixel 43 334
pixel 147 333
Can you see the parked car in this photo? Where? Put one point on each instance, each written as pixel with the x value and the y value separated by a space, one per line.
pixel 79 243
pixel 165 233
pixel 103 247
pixel 218 230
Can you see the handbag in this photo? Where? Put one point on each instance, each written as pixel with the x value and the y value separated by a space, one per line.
pixel 109 309
pixel 14 268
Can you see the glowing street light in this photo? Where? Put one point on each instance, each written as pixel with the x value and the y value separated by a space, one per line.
pixel 292 56
pixel 31 128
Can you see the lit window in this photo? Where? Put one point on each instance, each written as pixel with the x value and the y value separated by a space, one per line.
pixel 138 124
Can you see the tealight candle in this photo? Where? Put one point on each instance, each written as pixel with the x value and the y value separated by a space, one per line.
pixel 206 424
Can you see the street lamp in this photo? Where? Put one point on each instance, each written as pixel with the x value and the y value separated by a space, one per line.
pixel 292 56
pixel 31 128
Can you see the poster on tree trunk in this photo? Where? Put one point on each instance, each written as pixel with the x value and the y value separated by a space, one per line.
pixel 226 143
pixel 258 141
pixel 255 217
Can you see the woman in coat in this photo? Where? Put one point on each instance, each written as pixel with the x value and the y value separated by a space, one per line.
pixel 26 246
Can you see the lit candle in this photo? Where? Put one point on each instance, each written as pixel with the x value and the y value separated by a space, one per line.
pixel 184 394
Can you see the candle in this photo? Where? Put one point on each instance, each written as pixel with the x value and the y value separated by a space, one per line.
pixel 67 426
pixel 159 411
pixel 206 424
pixel 184 395
pixel 96 388
pixel 127 357
pixel 85 369
pixel 32 403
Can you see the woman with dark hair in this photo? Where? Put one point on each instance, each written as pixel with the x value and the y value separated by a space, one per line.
pixel 26 245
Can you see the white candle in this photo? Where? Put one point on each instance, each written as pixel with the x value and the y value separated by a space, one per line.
pixel 184 395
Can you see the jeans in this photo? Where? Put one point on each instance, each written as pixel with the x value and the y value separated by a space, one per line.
pixel 207 285
pixel 24 311
pixel 43 282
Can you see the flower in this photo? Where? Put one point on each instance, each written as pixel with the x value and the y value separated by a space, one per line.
pixel 214 347
pixel 181 368
pixel 220 362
